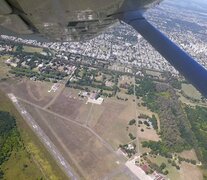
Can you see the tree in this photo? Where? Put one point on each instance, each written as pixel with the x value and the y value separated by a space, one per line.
pixel 166 172
pixel 146 123
pixel 1 174
pixel 132 122
pixel 153 120
pixel 9 136
pixel 19 48
pixel 132 137
pixel 162 166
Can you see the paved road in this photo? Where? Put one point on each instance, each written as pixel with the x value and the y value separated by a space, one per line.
pixel 44 138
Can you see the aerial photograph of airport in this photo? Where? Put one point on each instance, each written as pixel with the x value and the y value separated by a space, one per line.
pixel 103 90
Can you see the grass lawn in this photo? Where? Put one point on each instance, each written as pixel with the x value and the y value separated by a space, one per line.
pixel 21 166
pixel 191 92
pixel 32 162
pixel 173 172
pixel 32 49
pixel 187 171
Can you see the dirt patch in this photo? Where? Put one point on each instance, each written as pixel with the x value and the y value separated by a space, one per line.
pixel 112 123
pixel 32 91
pixel 68 104
pixel 189 155
pixel 21 90
pixel 190 172
pixel 148 134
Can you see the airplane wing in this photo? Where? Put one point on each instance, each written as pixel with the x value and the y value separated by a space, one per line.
pixel 64 20
pixel 76 20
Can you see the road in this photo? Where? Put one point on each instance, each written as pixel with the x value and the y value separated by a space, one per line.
pixel 60 91
pixel 44 138
pixel 89 115
pixel 136 117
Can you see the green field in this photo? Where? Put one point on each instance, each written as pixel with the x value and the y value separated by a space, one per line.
pixel 173 172
pixel 21 166
pixel 191 92
pixel 33 161
pixel 31 49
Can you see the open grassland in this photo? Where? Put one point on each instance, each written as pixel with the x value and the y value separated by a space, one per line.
pixel 189 102
pixel 4 69
pixel 189 154
pixel 191 172
pixel 148 134
pixel 187 171
pixel 33 91
pixel 31 49
pixel 35 156
pixel 191 92
pixel 109 120
pixel 80 147
pixel 21 166
pixel 121 177
pixel 71 106
pixel 173 172
pixel 112 121
pixel 185 100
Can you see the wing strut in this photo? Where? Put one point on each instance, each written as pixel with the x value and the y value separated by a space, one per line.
pixel 186 65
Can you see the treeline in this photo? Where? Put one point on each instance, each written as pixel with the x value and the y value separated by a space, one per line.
pixel 173 81
pixel 9 138
pixel 19 71
pixel 147 90
pixel 33 57
pixel 198 120
pixel 87 78
pixel 176 131
pixel 153 120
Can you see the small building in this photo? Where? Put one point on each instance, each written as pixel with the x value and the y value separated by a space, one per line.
pixel 145 168
pixel 98 101
pixel 94 95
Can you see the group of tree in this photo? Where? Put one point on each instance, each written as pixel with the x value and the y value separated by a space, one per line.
pixel 198 120
pixel 153 120
pixel 129 151
pixel 176 133
pixel 9 137
pixel 46 76
pixel 131 136
pixel 132 122
pixel 87 78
